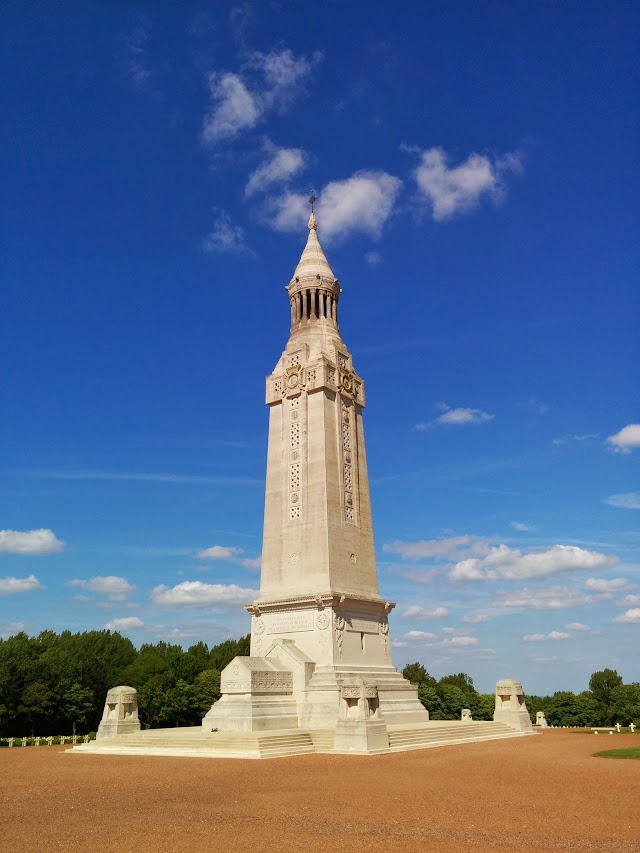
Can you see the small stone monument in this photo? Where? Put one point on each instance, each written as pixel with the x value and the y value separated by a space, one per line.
pixel 618 727
pixel 510 707
pixel 465 716
pixel 360 727
pixel 120 715
pixel 541 720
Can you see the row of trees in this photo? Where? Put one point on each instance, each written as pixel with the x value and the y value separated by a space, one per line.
pixel 57 683
pixel 607 701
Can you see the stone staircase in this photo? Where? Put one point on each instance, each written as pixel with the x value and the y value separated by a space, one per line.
pixel 445 733
pixel 196 743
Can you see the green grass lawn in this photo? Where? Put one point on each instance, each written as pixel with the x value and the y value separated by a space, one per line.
pixel 629 752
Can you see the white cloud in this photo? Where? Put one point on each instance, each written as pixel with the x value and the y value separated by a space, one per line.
pixel 225 237
pixel 128 623
pixel 373 258
pixel 219 552
pixel 459 189
pixel 363 202
pixel 199 594
pixel 137 64
pixel 451 547
pixel 35 542
pixel 475 618
pixel 549 598
pixel 460 641
pixel 625 440
pixel 521 526
pixel 115 588
pixel 577 626
pixel 629 616
pixel 239 101
pixel 625 500
pixel 282 164
pixel 575 437
pixel 253 563
pixel 606 584
pixel 415 610
pixel 539 638
pixel 631 599
pixel 458 417
pixel 233 108
pixel 9 586
pixel 420 635
pixel 504 563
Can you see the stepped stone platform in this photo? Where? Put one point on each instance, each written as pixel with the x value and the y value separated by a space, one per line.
pixel 195 742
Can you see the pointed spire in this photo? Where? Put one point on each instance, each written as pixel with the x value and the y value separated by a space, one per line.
pixel 313 261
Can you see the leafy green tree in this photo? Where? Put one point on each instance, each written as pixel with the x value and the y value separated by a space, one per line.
pixel 36 704
pixel 625 703
pixel 461 680
pixel 453 700
pixel 430 698
pixel 602 684
pixel 415 673
pixel 207 689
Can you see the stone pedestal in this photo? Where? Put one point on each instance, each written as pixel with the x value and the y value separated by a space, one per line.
pixel 541 720
pixel 465 716
pixel 257 696
pixel 361 727
pixel 120 715
pixel 510 707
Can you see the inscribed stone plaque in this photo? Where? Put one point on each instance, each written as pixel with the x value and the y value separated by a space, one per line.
pixel 287 623
pixel 364 626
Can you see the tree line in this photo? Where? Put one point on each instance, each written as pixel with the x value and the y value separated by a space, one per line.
pixel 56 684
pixel 607 701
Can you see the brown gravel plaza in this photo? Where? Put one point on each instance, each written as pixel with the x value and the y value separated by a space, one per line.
pixel 537 794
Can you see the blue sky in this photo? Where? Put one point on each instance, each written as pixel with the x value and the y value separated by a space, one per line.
pixel 476 172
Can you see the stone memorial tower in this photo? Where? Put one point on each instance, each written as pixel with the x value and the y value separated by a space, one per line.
pixel 319 612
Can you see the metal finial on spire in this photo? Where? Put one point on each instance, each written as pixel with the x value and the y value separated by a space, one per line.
pixel 312 200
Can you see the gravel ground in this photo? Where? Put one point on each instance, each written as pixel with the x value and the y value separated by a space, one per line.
pixel 536 794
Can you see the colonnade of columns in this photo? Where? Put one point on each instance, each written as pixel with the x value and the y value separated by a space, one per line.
pixel 313 304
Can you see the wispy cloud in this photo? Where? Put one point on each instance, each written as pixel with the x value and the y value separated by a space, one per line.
pixel 576 437
pixel 606 584
pixel 547 598
pixel 624 500
pixel 225 238
pixel 451 547
pixel 33 542
pixel 415 611
pixel 137 66
pixel 144 477
pixel 113 587
pixel 541 638
pixel 522 526
pixel 280 165
pixel 626 440
pixel 459 189
pixel 239 101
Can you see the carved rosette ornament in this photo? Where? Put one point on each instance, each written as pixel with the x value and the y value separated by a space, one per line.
pixel 322 620
pixel 293 379
pixel 258 626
